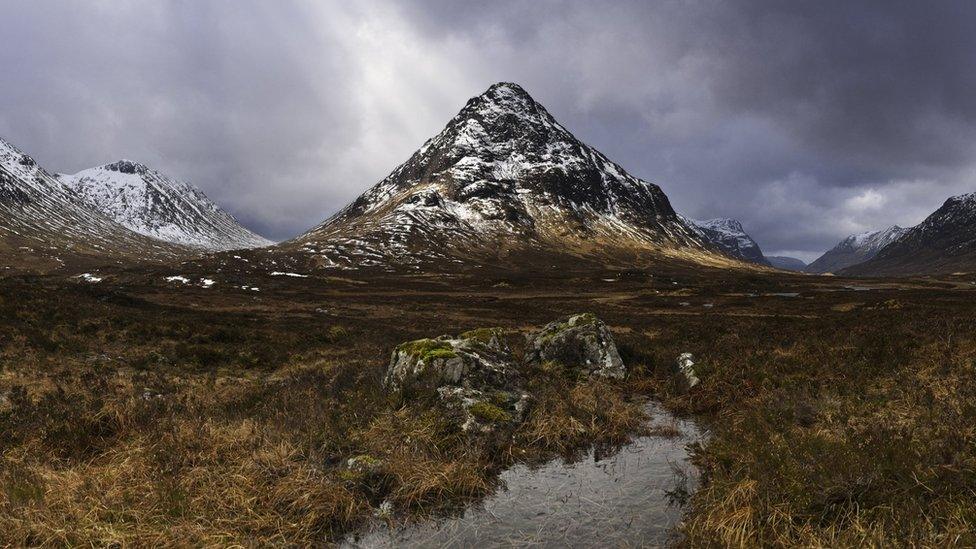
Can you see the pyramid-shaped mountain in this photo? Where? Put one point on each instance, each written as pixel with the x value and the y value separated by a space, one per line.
pixel 504 182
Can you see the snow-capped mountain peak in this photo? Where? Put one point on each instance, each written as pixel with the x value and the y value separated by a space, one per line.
pixel 872 241
pixel 153 204
pixel 728 235
pixel 48 222
pixel 856 248
pixel 944 242
pixel 501 171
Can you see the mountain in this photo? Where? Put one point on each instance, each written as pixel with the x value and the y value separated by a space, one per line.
pixel 728 235
pixel 43 223
pixel 944 243
pixel 153 204
pixel 855 249
pixel 786 263
pixel 504 183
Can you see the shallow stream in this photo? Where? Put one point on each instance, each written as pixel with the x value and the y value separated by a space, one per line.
pixel 624 499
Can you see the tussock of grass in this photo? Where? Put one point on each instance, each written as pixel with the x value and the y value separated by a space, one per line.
pixel 145 423
pixel 869 443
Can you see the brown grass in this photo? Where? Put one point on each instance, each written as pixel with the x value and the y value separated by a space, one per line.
pixel 140 416
pixel 201 445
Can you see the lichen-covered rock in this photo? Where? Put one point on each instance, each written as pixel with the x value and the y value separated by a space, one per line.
pixel 364 464
pixel 474 374
pixel 686 370
pixel 483 411
pixel 463 361
pixel 579 341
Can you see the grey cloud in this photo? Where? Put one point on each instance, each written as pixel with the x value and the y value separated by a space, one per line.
pixel 804 120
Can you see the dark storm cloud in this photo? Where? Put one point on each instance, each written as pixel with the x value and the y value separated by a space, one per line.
pixel 806 120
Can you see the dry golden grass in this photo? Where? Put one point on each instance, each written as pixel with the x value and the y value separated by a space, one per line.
pixel 180 421
pixel 170 453
pixel 879 455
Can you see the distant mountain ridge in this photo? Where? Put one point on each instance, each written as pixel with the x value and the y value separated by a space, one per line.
pixel 43 223
pixel 945 242
pixel 728 235
pixel 156 205
pixel 786 263
pixel 855 249
pixel 501 183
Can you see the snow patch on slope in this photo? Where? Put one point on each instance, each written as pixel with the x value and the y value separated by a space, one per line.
pixel 152 204
pixel 502 174
pixel 729 236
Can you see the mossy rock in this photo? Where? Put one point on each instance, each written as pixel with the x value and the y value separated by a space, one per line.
pixel 483 335
pixel 427 349
pixel 581 343
pixel 486 412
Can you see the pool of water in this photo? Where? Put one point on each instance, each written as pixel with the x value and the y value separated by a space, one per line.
pixel 623 499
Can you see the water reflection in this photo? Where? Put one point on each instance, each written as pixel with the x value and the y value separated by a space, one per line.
pixel 626 498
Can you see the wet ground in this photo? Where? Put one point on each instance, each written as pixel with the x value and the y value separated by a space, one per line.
pixel 629 498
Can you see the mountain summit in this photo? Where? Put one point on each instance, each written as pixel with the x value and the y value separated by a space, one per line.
pixel 944 242
pixel 43 223
pixel 728 236
pixel 153 204
pixel 855 249
pixel 502 178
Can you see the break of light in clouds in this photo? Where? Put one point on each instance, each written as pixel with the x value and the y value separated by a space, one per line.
pixel 806 121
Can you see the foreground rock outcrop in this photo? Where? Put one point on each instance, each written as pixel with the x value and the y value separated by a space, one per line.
pixel 469 360
pixel 478 378
pixel 579 341
pixel 474 374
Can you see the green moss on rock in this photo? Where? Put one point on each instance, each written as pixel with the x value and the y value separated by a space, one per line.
pixel 489 413
pixel 427 349
pixel 483 335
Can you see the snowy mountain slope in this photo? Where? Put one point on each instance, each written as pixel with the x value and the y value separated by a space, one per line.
pixel 43 222
pixel 502 178
pixel 944 242
pixel 786 263
pixel 728 235
pixel 855 249
pixel 150 203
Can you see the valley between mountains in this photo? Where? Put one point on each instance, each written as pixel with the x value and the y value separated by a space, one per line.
pixel 507 297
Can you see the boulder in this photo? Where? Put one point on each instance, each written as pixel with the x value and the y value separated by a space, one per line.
pixel 579 341
pixel 462 361
pixel 474 375
pixel 685 366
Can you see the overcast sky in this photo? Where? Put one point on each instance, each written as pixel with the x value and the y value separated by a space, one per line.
pixel 807 121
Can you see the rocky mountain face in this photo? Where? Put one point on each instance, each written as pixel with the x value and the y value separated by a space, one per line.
pixel 728 236
pixel 502 183
pixel 944 243
pixel 153 204
pixel 786 263
pixel 855 249
pixel 43 223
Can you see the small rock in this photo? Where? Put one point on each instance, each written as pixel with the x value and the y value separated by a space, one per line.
pixel 364 464
pixel 385 510
pixel 580 341
pixel 686 367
